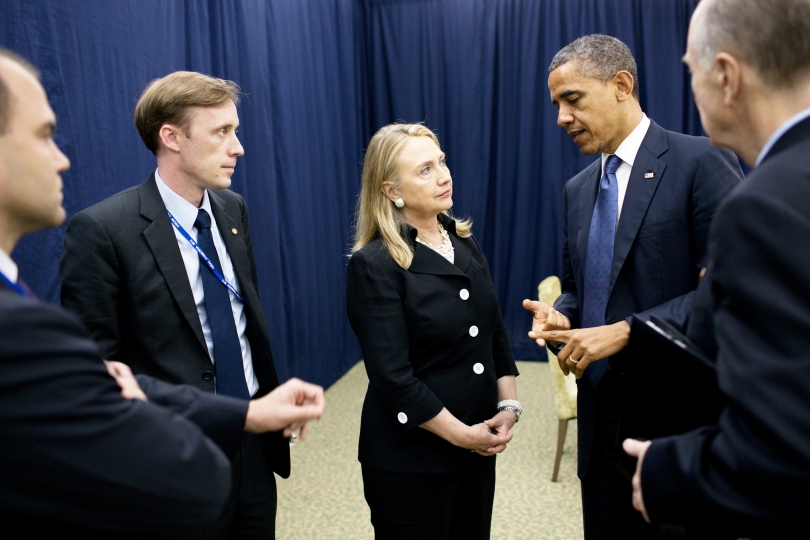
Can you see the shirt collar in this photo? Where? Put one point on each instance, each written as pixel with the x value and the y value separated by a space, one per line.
pixel 628 149
pixel 447 222
pixel 8 267
pixel 792 121
pixel 182 210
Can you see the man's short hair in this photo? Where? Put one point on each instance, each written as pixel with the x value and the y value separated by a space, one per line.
pixel 168 100
pixel 600 57
pixel 773 36
pixel 5 92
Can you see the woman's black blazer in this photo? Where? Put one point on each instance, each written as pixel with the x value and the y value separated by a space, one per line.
pixel 425 341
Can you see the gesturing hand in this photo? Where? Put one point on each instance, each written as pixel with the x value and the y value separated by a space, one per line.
pixel 289 407
pixel 586 345
pixel 123 376
pixel 544 319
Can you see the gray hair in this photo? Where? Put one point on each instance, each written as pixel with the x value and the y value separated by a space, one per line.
pixel 600 57
pixel 772 35
pixel 5 93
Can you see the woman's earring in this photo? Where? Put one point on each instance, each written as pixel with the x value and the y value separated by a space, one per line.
pixel 399 203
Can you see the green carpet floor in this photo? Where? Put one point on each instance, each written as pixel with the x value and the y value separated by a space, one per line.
pixel 323 498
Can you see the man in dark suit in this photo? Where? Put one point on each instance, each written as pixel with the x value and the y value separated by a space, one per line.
pixel 634 236
pixel 748 475
pixel 84 452
pixel 164 277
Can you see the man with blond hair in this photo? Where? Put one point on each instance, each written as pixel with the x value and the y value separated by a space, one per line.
pixel 748 475
pixel 163 275
pixel 88 449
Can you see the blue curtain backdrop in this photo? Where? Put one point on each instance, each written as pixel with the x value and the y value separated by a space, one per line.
pixel 320 76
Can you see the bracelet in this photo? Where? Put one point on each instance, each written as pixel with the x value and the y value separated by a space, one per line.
pixel 511 405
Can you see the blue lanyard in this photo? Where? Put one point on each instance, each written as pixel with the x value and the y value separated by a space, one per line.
pixel 204 257
pixel 14 287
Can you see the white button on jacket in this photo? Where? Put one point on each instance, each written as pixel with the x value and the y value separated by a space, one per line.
pixel 478 368
pixel 473 330
pixel 464 294
pixel 403 418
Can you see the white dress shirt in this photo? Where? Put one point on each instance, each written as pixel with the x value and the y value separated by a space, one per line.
pixel 186 214
pixel 627 151
pixel 8 267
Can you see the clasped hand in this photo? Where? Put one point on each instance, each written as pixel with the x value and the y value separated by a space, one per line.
pixel 491 436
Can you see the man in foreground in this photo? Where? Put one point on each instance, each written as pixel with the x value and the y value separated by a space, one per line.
pixel 84 451
pixel 634 241
pixel 748 475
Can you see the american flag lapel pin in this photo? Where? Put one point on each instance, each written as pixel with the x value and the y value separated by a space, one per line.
pixel 649 174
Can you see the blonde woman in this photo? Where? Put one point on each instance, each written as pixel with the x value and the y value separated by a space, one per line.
pixel 442 399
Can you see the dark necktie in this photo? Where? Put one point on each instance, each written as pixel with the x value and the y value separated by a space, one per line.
pixel 230 373
pixel 599 259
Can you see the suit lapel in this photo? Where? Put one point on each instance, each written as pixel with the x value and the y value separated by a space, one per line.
pixel 234 243
pixel 163 243
pixel 461 254
pixel 640 191
pixel 587 200
pixel 427 261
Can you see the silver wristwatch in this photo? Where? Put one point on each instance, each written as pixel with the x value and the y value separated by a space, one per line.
pixel 511 405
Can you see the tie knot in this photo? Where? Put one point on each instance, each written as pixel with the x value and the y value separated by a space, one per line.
pixel 203 220
pixel 612 164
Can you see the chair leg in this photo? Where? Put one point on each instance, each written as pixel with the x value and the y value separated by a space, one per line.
pixel 562 429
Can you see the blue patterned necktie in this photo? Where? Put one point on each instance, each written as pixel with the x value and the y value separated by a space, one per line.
pixel 230 373
pixel 599 259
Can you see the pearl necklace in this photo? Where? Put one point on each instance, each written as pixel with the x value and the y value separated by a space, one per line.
pixel 445 250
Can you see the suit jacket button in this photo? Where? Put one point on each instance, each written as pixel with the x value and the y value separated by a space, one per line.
pixel 403 418
pixel 207 376
pixel 478 368
pixel 473 330
pixel 464 294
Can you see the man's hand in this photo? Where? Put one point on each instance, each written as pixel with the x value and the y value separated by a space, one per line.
pixel 637 449
pixel 289 407
pixel 123 376
pixel 544 319
pixel 586 345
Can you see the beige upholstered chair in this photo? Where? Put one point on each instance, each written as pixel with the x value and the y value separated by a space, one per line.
pixel 565 388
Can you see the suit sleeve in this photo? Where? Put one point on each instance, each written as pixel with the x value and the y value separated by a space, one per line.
pixel 568 302
pixel 91 282
pixel 377 317
pixel 718 172
pixel 756 461
pixel 74 451
pixel 221 418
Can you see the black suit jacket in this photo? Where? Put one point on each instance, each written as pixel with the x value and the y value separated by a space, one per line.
pixel 123 274
pixel 751 472
pixel 414 329
pixel 660 243
pixel 75 455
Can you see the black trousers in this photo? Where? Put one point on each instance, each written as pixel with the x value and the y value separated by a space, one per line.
pixel 416 506
pixel 250 512
pixel 607 505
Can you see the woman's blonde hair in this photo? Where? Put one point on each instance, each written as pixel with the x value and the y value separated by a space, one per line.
pixel 376 214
